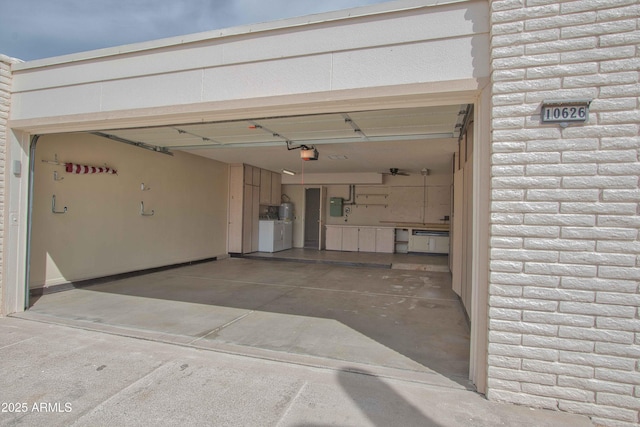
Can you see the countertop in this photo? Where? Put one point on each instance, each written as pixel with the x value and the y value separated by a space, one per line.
pixel 431 226
pixel 359 226
pixel 428 226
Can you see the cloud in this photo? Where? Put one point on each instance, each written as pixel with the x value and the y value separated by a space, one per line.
pixel 32 29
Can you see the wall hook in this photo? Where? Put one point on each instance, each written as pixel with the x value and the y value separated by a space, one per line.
pixel 144 187
pixel 56 177
pixel 55 161
pixel 143 213
pixel 53 206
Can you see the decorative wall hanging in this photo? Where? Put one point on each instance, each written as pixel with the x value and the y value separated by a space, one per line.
pixel 83 170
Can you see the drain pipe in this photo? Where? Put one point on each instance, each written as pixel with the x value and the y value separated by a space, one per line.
pixel 32 167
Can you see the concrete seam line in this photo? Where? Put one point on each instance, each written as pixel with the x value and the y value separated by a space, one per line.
pixel 219 328
pixel 16 343
pixel 117 393
pixel 286 412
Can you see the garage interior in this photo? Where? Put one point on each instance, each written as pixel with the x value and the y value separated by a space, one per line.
pixel 399 313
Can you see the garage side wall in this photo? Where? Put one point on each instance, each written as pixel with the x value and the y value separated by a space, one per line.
pixel 565 254
pixel 103 232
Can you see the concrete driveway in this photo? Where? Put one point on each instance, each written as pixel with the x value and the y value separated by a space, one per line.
pixel 63 376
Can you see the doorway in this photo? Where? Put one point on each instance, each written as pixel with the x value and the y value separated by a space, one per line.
pixel 312 218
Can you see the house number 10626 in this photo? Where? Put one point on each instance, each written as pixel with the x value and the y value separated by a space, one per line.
pixel 564 113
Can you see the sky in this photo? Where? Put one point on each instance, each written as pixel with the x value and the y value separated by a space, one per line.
pixel 35 29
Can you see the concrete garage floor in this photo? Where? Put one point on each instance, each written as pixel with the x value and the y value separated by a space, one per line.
pixel 402 324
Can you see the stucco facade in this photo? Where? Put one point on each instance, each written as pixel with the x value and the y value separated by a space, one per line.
pixel 556 218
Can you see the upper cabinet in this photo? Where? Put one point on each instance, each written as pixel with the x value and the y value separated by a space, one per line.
pixel 248 174
pixel 276 189
pixel 270 188
pixel 265 187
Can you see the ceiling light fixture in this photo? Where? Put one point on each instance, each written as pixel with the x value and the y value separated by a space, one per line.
pixel 288 172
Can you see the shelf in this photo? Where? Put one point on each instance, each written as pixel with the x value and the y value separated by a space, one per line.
pixel 372 195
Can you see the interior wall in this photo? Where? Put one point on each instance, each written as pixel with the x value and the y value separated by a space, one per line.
pixel 413 198
pixel 103 233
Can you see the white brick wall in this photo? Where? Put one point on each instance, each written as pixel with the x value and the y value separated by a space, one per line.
pixel 5 83
pixel 5 89
pixel 564 313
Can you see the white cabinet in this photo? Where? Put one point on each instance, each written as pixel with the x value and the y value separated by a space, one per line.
pixel 440 245
pixel 367 239
pixel 350 239
pixel 436 242
pixel 385 240
pixel 333 238
pixel 275 236
pixel 360 239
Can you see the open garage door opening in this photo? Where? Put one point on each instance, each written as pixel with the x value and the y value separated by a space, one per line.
pixel 160 210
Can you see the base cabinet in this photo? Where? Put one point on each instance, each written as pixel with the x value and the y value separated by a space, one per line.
pixel 359 239
pixel 436 243
pixel 350 239
pixel 385 240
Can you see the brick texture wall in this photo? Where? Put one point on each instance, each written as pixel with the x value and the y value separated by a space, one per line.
pixel 565 251
pixel 5 83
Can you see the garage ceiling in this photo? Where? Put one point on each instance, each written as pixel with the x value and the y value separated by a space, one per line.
pixel 367 141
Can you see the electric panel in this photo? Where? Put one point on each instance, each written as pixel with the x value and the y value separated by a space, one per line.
pixel 335 206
